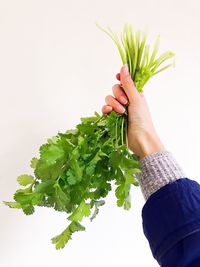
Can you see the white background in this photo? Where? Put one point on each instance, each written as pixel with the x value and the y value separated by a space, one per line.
pixel 57 66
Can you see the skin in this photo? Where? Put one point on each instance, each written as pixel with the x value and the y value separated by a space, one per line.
pixel 143 139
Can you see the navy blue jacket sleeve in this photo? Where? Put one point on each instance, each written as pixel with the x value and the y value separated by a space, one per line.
pixel 171 223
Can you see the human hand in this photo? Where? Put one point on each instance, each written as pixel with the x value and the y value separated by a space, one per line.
pixel 142 137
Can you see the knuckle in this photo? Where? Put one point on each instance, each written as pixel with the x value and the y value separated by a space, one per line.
pixel 128 81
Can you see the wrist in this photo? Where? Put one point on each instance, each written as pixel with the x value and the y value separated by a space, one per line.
pixel 149 143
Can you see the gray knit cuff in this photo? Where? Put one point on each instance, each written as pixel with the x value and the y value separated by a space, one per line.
pixel 158 169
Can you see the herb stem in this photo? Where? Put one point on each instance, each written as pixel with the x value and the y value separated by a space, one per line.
pixel 126 130
pixel 122 130
pixel 116 143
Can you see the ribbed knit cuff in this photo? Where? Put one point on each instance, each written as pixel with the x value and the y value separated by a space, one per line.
pixel 158 169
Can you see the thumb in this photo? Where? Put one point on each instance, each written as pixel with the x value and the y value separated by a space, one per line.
pixel 127 83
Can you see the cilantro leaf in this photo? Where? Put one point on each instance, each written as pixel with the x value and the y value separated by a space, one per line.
pixel 82 210
pixel 96 210
pixel 14 205
pixel 44 187
pixel 61 199
pixel 25 179
pixel 61 240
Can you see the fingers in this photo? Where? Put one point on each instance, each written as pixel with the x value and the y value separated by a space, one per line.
pixel 114 103
pixel 111 101
pixel 119 94
pixel 106 109
pixel 127 83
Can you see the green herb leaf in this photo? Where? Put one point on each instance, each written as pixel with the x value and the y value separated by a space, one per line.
pixel 25 179
pixel 82 210
pixel 61 240
pixel 14 205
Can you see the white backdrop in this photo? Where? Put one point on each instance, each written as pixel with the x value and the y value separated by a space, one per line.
pixel 57 66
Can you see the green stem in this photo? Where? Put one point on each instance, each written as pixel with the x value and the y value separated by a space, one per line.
pixel 116 143
pixel 122 130
pixel 126 130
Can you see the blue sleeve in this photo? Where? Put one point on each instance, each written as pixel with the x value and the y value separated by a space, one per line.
pixel 171 223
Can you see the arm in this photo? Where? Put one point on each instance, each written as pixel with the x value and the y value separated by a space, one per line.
pixel 171 214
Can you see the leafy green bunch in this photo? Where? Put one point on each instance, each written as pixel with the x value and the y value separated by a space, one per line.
pixel 75 170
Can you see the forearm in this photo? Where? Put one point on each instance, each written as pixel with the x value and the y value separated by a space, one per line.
pixel 159 167
pixel 170 216
pixel 149 143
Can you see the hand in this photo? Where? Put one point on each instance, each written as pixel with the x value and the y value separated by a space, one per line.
pixel 142 137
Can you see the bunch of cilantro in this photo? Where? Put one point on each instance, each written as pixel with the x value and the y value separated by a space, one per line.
pixel 75 169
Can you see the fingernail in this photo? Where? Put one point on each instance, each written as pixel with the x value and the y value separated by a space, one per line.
pixel 126 71
pixel 123 100
pixel 121 109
